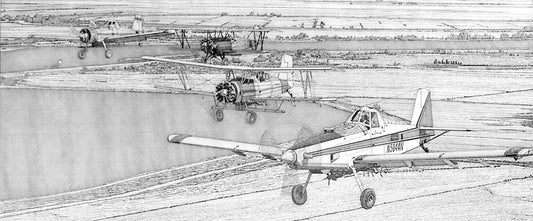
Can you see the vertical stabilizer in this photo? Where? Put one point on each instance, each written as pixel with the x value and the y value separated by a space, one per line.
pixel 422 114
pixel 287 76
pixel 137 24
pixel 286 61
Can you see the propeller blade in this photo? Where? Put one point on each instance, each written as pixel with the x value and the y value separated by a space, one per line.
pixel 291 176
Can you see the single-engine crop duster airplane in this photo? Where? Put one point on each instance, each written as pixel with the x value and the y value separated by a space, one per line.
pixel 249 88
pixel 364 142
pixel 89 38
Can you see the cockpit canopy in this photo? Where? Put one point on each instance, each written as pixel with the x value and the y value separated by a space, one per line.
pixel 251 77
pixel 367 117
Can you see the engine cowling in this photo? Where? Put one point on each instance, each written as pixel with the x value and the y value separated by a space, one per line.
pixel 237 91
pixel 88 36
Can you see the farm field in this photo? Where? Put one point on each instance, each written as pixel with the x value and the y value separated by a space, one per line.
pixel 475 56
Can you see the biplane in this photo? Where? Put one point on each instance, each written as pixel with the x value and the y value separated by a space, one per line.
pixel 362 143
pixel 219 41
pixel 251 88
pixel 89 38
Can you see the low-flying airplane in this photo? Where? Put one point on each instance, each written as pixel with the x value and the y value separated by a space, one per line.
pixel 219 41
pixel 364 142
pixel 249 88
pixel 89 37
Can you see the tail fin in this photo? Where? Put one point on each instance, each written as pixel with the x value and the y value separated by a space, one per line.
pixel 73 32
pixel 422 114
pixel 137 25
pixel 287 76
pixel 286 61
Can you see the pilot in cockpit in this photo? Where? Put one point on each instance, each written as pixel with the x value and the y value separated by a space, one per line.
pixel 365 120
pixel 361 117
pixel 262 76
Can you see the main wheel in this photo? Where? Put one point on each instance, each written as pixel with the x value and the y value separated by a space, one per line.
pixel 368 198
pixel 82 53
pixel 251 116
pixel 299 194
pixel 108 53
pixel 219 115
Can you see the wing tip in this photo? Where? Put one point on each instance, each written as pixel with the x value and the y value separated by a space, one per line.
pixel 177 138
pixel 148 58
pixel 518 152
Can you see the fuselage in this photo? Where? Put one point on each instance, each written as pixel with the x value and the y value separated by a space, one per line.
pixel 364 133
pixel 246 89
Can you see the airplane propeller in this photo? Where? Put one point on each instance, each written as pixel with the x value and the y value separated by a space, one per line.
pixel 85 35
pixel 225 92
pixel 290 175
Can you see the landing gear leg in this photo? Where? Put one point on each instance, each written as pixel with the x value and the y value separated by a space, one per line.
pixel 299 192
pixel 424 148
pixel 368 196
pixel 108 52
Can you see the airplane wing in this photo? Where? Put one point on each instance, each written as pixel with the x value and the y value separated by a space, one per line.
pixel 437 158
pixel 362 162
pixel 136 37
pixel 295 99
pixel 446 129
pixel 237 147
pixel 239 68
pixel 53 38
pixel 206 28
pixel 371 162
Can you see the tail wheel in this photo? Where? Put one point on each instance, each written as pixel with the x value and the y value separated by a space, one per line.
pixel 368 198
pixel 299 194
pixel 82 53
pixel 251 116
pixel 219 115
pixel 108 53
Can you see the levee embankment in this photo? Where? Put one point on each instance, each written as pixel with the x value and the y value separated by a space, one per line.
pixel 401 45
pixel 39 58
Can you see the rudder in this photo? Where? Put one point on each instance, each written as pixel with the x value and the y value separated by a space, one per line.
pixel 422 113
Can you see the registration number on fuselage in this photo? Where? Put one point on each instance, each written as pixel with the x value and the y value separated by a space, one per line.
pixel 395 147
